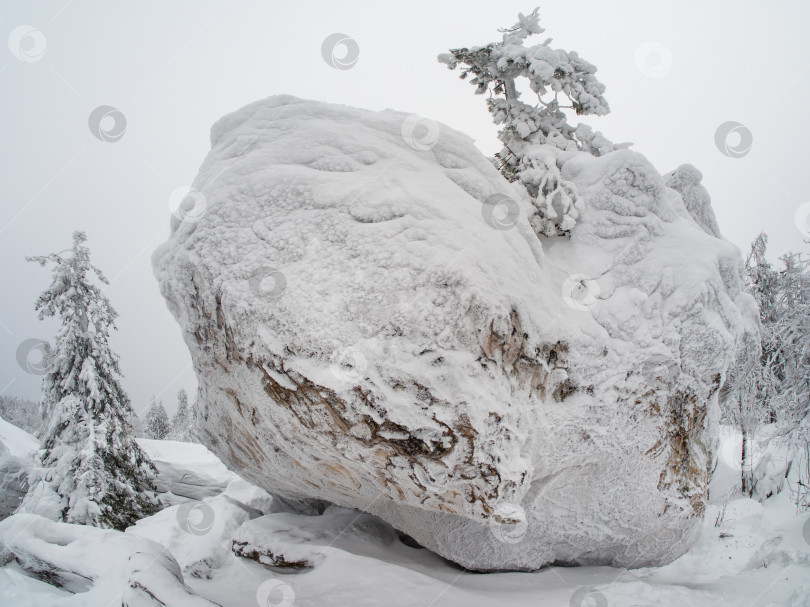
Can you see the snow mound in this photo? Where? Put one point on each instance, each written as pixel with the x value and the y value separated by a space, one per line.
pixel 186 469
pixel 374 322
pixel 190 472
pixel 296 541
pixel 746 552
pixel 196 533
pixel 90 566
pixel 17 448
pixel 686 181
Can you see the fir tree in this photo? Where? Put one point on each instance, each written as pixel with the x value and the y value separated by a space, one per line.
pixel 181 422
pixel 22 413
pixel 91 471
pixel 156 425
pixel 560 80
pixel 787 360
pixel 769 383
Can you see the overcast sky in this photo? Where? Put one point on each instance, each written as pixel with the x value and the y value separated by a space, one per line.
pixel 675 72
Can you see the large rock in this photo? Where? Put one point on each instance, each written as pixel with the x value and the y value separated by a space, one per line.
pixel 369 328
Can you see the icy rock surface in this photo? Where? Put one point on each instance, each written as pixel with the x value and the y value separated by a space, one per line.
pixel 368 328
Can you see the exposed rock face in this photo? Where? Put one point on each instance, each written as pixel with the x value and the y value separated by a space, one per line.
pixel 369 328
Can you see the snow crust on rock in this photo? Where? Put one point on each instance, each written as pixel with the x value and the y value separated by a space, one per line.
pixel 686 181
pixel 17 449
pixel 297 541
pixel 364 332
pixel 187 471
pixel 190 472
pixel 92 567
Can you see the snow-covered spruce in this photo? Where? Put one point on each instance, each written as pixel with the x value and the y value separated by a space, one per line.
pixel 182 422
pixel 496 69
pixel 90 470
pixel 362 334
pixel 23 413
pixel 156 424
pixel 769 382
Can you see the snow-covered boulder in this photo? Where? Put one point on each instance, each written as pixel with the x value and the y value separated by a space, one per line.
pixel 17 448
pixel 190 472
pixel 297 541
pixel 93 567
pixel 197 534
pixel 374 322
pixel 186 469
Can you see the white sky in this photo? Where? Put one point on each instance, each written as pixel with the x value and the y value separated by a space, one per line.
pixel 173 68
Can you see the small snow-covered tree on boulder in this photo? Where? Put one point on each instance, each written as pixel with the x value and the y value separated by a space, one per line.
pixel 91 471
pixel 181 422
pixel 551 73
pixel 157 424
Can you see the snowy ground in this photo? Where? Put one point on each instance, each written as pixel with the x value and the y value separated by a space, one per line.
pixel 757 554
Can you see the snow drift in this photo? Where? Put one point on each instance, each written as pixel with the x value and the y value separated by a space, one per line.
pixel 17 448
pixel 100 567
pixel 369 327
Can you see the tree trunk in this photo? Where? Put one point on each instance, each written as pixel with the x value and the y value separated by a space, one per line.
pixel 747 471
pixel 509 89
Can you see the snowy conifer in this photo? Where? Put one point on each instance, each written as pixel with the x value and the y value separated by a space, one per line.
pixel 91 471
pixel 156 425
pixel 787 363
pixel 22 413
pixel 551 73
pixel 181 422
pixel 770 381
pixel 194 417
